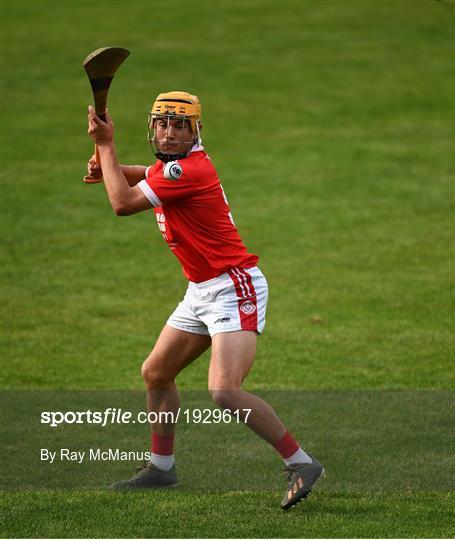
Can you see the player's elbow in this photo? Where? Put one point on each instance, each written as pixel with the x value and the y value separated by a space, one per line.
pixel 130 203
pixel 122 209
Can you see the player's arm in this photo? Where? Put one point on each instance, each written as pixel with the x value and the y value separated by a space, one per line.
pixel 124 198
pixel 132 173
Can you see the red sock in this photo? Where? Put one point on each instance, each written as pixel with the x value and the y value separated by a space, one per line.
pixel 163 445
pixel 286 446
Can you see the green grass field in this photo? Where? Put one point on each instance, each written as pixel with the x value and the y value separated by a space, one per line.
pixel 332 125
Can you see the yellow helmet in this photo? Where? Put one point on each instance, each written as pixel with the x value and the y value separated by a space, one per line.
pixel 178 104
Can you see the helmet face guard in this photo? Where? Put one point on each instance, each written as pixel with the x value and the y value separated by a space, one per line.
pixel 174 106
pixel 180 151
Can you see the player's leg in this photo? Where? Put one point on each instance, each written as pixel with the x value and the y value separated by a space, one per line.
pixel 174 350
pixel 232 357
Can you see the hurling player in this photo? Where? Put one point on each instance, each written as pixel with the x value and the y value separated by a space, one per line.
pixel 225 303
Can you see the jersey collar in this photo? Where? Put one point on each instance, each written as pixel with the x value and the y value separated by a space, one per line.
pixel 196 148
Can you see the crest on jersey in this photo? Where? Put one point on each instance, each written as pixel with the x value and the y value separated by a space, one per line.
pixel 248 307
pixel 172 170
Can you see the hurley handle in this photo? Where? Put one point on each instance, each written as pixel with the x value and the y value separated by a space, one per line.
pixel 88 178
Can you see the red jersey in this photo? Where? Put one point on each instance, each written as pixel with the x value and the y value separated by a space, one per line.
pixel 194 218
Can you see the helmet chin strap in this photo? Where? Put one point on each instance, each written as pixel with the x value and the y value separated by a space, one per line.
pixel 166 158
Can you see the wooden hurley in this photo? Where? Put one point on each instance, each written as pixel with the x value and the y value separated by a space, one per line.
pixel 101 66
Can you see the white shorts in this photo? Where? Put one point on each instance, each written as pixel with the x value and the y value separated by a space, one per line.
pixel 235 300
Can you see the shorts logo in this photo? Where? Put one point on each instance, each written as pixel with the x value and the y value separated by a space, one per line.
pixel 248 307
pixel 222 320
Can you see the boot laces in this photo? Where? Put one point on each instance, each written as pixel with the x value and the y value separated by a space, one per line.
pixel 291 474
pixel 142 467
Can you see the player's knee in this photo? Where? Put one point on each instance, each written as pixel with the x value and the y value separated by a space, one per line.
pixel 153 375
pixel 224 398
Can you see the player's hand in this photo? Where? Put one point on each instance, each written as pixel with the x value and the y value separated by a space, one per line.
pixel 94 169
pixel 101 132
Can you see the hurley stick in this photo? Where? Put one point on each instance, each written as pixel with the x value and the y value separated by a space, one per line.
pixel 101 66
pixel 88 178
